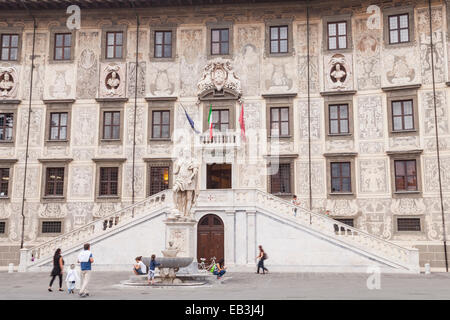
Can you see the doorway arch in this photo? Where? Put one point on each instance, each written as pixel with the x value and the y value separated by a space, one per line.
pixel 210 238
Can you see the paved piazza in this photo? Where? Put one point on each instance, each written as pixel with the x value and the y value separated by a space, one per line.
pixel 104 285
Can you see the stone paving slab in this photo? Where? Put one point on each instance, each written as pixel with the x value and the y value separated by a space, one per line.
pixel 106 285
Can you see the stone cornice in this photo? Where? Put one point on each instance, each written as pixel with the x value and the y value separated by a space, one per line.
pixel 406 87
pixel 336 93
pixel 340 154
pixel 278 95
pixel 157 159
pixel 10 101
pixel 282 156
pixel 51 101
pixel 109 159
pixel 111 99
pixel 8 161
pixel 396 152
pixel 161 98
pixel 65 160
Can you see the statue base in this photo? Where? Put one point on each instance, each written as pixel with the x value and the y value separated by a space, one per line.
pixel 182 233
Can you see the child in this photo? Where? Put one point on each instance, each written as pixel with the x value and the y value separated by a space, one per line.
pixel 151 270
pixel 139 267
pixel 72 278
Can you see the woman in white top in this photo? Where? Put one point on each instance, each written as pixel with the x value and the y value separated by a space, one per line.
pixel 139 267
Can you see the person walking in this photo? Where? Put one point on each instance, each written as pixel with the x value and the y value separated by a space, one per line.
pixel 262 256
pixel 295 202
pixel 85 259
pixel 57 271
pixel 72 278
pixel 151 269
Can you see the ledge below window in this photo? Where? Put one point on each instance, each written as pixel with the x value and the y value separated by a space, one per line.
pixel 407 192
pixel 111 99
pixel 10 101
pixel 50 101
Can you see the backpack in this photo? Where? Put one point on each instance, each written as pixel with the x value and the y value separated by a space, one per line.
pixel 265 256
pixel 212 268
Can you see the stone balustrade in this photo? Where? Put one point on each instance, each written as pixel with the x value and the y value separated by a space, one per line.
pixel 79 236
pixel 259 200
pixel 219 139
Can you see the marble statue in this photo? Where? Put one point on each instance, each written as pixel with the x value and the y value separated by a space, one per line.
pixel 185 189
pixel 6 85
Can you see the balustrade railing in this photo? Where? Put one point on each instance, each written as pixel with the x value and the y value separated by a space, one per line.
pixel 99 226
pixel 319 222
pixel 219 139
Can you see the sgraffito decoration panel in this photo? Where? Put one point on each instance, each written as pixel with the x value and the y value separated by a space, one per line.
pixel 87 65
pixel 81 185
pixel 431 174
pixel 85 123
pixel 248 59
pixel 373 176
pixel 423 29
pixel 401 66
pixel 131 74
pixel 427 102
pixel 314 84
pixel 370 117
pixel 277 76
pixel 41 48
pixel 191 60
pixel 59 82
pixel 317 178
pixel 368 57
pixel 163 78
pixel 315 116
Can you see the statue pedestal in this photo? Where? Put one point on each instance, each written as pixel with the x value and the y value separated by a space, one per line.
pixel 182 234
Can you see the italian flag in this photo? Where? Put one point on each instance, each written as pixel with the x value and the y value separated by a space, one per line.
pixel 210 121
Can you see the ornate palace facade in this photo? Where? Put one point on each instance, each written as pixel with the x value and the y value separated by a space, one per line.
pixel 349 109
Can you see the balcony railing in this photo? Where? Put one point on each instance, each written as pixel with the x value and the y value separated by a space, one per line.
pixel 219 139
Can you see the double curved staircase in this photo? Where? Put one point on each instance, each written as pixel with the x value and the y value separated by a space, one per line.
pixel 365 244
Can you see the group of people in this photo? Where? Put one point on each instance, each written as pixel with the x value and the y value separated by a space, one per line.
pixel 140 268
pixel 85 260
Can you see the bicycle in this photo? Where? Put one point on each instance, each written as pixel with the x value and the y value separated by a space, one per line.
pixel 202 265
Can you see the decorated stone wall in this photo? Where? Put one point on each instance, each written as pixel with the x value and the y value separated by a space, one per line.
pixel 90 82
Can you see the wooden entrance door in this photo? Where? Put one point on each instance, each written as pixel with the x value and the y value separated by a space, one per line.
pixel 210 238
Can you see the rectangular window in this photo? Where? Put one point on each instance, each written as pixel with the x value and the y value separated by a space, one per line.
pixel 405 175
pixel 54 183
pixel 6 126
pixel 58 126
pixel 111 125
pixel 163 44
pixel 4 182
pixel 402 115
pixel 339 119
pixel 337 35
pixel 279 39
pixel 280 182
pixel 348 222
pixel 109 181
pixel 398 28
pixel 220 120
pixel 2 227
pixel 219 41
pixel 63 46
pixel 340 177
pixel 114 45
pixel 51 226
pixel 279 122
pixel 9 47
pixel 159 179
pixel 161 124
pixel 408 224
